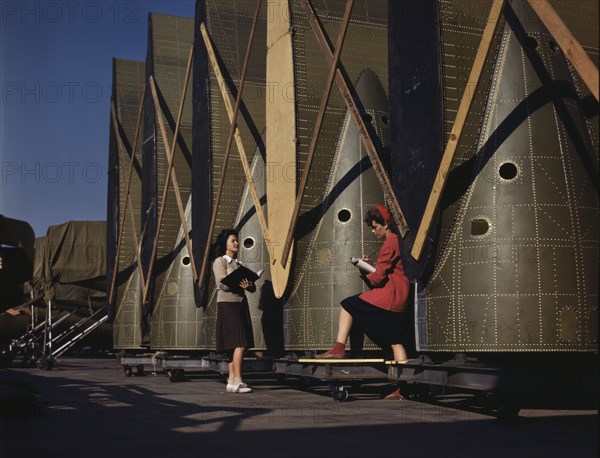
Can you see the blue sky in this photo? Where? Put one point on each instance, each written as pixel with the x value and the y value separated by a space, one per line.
pixel 55 72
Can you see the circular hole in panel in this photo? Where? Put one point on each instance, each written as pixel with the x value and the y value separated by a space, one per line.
pixel 344 215
pixel 385 120
pixel 531 42
pixel 479 226
pixel 508 171
pixel 248 243
pixel 367 117
pixel 186 261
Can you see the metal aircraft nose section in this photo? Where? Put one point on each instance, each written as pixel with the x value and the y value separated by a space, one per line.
pixel 370 92
pixel 517 229
pixel 326 276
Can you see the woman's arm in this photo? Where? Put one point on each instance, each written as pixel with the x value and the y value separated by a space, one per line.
pixel 220 271
pixel 384 264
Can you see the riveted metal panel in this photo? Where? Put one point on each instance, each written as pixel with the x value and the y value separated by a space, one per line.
pixel 172 323
pixel 128 84
pixel 517 262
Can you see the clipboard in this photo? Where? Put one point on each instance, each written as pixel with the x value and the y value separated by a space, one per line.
pixel 234 278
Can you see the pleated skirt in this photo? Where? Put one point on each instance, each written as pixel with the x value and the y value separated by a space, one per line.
pixel 383 327
pixel 234 326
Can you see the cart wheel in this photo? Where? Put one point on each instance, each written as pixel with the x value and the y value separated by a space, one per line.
pixel 139 369
pixel 176 375
pixel 339 393
pixel 128 371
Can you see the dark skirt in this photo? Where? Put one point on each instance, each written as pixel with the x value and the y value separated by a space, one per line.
pixel 234 326
pixel 383 327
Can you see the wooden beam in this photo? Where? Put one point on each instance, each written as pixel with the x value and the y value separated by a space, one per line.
pixel 238 102
pixel 317 129
pixel 128 207
pixel 280 136
pixel 238 138
pixel 171 175
pixel 459 122
pixel 568 43
pixel 351 104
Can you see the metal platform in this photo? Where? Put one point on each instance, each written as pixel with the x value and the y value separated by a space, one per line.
pixel 129 361
pixel 254 364
pixel 339 373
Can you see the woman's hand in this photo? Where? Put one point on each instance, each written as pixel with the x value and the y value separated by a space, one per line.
pixel 366 259
pixel 245 283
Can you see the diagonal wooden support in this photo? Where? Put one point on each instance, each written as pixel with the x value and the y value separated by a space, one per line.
pixel 568 43
pixel 351 104
pixel 238 102
pixel 128 206
pixel 238 138
pixel 317 129
pixel 171 175
pixel 459 122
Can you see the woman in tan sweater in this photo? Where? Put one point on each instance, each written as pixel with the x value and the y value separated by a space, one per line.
pixel 234 326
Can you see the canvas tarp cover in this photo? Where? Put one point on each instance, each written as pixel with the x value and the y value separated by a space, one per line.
pixel 73 266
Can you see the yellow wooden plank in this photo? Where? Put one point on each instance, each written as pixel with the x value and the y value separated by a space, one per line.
pixel 340 361
pixel 280 141
pixel 568 43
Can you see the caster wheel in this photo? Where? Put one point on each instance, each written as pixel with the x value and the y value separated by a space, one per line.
pixel 176 375
pixel 128 371
pixel 339 393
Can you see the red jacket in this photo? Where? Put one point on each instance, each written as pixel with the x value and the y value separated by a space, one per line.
pixel 390 285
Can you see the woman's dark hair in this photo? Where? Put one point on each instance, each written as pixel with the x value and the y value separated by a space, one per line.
pixel 375 215
pixel 220 247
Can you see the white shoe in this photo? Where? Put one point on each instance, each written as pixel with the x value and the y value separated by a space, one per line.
pixel 238 388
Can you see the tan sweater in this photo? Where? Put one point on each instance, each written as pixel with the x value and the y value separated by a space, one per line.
pixel 222 268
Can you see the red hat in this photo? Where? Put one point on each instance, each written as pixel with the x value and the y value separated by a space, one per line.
pixel 385 213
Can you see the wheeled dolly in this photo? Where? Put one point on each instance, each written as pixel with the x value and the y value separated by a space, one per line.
pixel 341 374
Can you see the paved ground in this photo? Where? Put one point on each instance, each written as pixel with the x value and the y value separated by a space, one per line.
pixel 88 408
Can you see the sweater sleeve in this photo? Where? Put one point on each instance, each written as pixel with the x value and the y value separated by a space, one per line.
pixel 384 264
pixel 220 271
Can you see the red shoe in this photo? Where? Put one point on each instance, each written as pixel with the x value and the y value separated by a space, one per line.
pixel 331 354
pixel 394 395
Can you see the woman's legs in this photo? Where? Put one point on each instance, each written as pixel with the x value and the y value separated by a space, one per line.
pixel 235 366
pixel 234 383
pixel 344 326
pixel 399 352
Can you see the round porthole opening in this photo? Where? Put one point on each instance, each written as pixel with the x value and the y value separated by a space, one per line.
pixel 367 117
pixel 344 215
pixel 385 120
pixel 479 226
pixel 531 43
pixel 508 171
pixel 186 261
pixel 248 243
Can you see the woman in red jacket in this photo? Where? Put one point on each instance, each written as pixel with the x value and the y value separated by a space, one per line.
pixel 381 312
